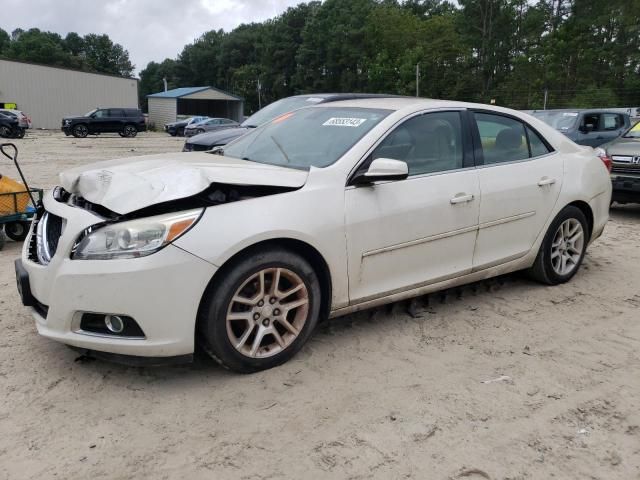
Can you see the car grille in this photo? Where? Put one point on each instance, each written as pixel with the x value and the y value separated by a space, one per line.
pixel 47 230
pixel 625 169
pixel 197 147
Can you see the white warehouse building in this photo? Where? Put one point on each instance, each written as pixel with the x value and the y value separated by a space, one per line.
pixel 47 93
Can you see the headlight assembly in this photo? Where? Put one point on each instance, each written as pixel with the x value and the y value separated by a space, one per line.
pixel 133 238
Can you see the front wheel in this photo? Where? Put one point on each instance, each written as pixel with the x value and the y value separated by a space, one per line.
pixel 261 311
pixel 563 248
pixel 5 132
pixel 17 231
pixel 199 131
pixel 80 131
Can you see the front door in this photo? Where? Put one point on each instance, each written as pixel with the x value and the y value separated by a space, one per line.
pixel 520 181
pixel 408 233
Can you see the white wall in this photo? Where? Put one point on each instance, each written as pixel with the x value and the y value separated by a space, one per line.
pixel 161 111
pixel 47 94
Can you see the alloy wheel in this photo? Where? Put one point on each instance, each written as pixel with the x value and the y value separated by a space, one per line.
pixel 267 312
pixel 567 246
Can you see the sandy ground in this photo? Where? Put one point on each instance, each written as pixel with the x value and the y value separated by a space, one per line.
pixel 511 380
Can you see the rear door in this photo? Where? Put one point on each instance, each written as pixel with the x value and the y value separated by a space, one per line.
pixel 520 178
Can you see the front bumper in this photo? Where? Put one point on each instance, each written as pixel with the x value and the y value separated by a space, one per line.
pixel 66 129
pixel 625 188
pixel 161 292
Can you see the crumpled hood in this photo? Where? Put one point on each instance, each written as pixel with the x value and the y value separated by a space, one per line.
pixel 129 184
pixel 623 146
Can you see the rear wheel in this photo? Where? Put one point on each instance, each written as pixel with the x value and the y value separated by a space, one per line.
pixel 563 248
pixel 129 131
pixel 19 133
pixel 80 131
pixel 17 231
pixel 261 311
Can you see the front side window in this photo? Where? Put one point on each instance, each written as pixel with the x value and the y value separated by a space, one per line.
pixel 101 114
pixel 503 139
pixel 428 143
pixel 305 138
pixel 592 119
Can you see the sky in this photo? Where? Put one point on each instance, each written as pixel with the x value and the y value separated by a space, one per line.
pixel 148 29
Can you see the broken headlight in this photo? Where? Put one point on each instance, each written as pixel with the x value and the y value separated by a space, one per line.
pixel 133 238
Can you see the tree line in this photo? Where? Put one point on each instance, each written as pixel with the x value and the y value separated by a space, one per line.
pixel 517 53
pixel 92 52
pixel 578 53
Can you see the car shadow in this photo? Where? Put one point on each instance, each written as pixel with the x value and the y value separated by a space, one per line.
pixel 629 211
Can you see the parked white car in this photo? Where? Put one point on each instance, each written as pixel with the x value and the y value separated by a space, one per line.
pixel 324 211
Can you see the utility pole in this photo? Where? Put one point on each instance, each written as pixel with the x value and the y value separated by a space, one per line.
pixel 546 94
pixel 164 80
pixel 417 79
pixel 259 99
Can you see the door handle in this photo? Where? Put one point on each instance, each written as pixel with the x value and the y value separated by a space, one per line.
pixel 461 198
pixel 546 181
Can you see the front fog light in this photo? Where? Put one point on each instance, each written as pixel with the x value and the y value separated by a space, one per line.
pixel 114 323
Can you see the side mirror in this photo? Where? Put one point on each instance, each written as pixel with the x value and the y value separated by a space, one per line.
pixel 383 169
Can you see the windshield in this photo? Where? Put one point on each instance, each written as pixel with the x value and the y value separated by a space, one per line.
pixel 308 137
pixel 90 112
pixel 633 132
pixel 276 109
pixel 558 120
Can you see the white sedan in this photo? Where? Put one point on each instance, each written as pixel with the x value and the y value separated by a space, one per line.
pixel 324 211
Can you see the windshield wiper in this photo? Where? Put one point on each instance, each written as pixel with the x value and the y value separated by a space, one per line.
pixel 280 148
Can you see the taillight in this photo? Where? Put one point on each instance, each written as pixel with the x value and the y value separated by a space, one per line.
pixel 602 154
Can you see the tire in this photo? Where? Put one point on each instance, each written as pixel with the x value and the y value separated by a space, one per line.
pixel 556 249
pixel 17 231
pixel 129 131
pixel 80 130
pixel 20 133
pixel 5 132
pixel 257 317
pixel 3 238
pixel 173 133
pixel 199 131
pixel 180 132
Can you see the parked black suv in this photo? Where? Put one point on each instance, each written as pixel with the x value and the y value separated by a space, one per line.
pixel 125 121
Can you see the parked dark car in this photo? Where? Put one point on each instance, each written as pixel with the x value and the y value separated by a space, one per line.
pixel 10 127
pixel 210 125
pixel 209 140
pixel 24 122
pixel 624 155
pixel 125 121
pixel 177 128
pixel 586 127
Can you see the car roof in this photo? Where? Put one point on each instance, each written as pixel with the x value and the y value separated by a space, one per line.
pixel 402 103
pixel 580 110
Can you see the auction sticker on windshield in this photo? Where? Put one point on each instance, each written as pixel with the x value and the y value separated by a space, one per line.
pixel 344 122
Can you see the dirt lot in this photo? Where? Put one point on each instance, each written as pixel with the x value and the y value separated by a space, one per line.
pixel 511 381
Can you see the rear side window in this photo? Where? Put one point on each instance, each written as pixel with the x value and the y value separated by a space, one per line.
pixel 612 121
pixel 538 147
pixel 504 139
pixel 116 112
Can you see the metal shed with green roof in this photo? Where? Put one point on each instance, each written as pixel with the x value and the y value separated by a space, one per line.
pixel 164 107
